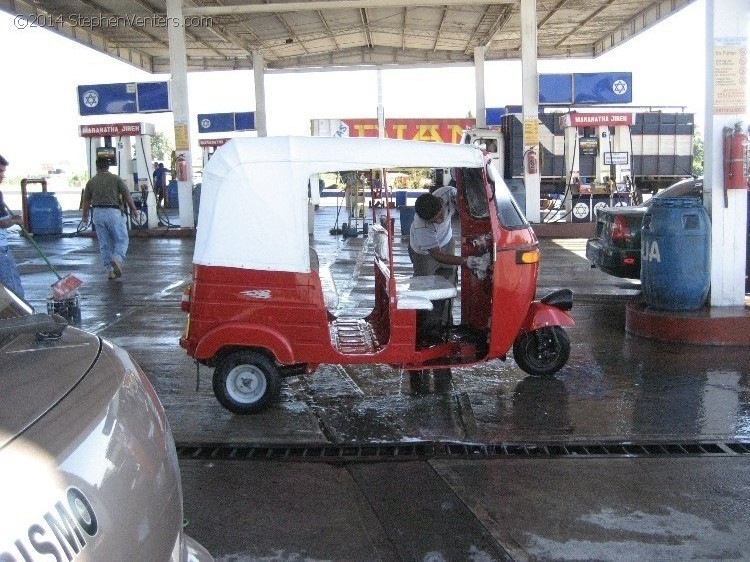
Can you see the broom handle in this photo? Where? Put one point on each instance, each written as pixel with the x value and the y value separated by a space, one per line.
pixel 33 242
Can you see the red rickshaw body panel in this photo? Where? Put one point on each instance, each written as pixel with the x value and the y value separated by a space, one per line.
pixel 514 288
pixel 250 308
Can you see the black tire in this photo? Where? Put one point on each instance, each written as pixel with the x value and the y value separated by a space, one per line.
pixel 542 352
pixel 245 382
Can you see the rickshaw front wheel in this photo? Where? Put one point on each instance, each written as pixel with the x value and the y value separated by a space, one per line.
pixel 542 352
pixel 245 382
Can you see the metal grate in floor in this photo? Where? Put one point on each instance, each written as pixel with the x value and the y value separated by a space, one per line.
pixel 425 450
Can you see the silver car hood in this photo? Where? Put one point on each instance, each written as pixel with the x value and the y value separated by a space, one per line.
pixel 24 396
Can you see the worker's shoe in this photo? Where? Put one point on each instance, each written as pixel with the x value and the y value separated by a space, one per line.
pixel 116 267
pixel 111 275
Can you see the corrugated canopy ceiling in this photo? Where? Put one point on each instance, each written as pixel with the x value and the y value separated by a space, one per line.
pixel 223 34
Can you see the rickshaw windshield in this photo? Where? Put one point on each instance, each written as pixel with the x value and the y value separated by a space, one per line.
pixel 508 212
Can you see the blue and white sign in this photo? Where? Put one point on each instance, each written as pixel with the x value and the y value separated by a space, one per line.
pixel 153 97
pixel 226 122
pixel 130 97
pixel 603 87
pixel 555 88
pixel 590 88
pixel 494 116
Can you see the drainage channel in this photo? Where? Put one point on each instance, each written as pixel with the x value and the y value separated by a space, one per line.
pixel 425 450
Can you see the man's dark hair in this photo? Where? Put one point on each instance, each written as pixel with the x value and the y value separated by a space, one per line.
pixel 102 164
pixel 427 206
pixel 3 161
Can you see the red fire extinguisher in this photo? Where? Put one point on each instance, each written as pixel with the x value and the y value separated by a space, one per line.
pixel 532 163
pixel 735 158
pixel 182 174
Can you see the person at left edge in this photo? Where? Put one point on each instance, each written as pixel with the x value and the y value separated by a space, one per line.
pixel 8 269
pixel 104 194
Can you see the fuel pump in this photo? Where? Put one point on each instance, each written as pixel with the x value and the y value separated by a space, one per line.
pixel 137 174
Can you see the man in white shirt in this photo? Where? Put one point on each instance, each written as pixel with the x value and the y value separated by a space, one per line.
pixel 431 250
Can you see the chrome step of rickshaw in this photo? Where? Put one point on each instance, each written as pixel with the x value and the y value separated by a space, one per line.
pixel 352 336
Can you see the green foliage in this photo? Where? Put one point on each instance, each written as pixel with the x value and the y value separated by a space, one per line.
pixel 161 148
pixel 698 154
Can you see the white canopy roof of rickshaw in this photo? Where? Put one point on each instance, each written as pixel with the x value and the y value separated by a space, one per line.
pixel 254 194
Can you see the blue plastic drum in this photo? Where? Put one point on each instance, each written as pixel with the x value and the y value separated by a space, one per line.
pixel 172 195
pixel 675 254
pixel 406 216
pixel 400 198
pixel 45 214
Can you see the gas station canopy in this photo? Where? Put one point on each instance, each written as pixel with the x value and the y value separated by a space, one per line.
pixel 308 34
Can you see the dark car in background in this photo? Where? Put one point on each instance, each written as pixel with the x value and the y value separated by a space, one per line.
pixel 616 245
pixel 88 466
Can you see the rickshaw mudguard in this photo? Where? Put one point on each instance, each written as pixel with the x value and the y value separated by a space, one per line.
pixel 238 334
pixel 541 315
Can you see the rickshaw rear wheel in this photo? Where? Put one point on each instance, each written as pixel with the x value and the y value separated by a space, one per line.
pixel 542 352
pixel 246 381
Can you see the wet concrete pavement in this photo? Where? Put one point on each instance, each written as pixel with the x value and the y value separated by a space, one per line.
pixel 609 467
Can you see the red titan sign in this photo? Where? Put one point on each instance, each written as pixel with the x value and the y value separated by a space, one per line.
pixel 596 119
pixel 436 130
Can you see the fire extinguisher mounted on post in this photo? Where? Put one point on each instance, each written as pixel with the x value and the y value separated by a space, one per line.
pixel 735 157
pixel 532 162
pixel 182 174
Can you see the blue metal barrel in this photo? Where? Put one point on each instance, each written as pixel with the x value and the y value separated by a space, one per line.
pixel 406 216
pixel 675 254
pixel 45 213
pixel 172 195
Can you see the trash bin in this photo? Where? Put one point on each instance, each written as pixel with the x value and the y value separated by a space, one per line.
pixel 45 213
pixel 406 216
pixel 400 198
pixel 675 254
pixel 172 201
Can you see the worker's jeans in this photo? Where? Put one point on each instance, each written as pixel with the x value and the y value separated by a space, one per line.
pixel 112 235
pixel 9 272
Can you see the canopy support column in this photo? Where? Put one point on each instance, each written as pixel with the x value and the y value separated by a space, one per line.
pixel 181 112
pixel 726 43
pixel 530 95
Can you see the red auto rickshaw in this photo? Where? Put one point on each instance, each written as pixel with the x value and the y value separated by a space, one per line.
pixel 260 307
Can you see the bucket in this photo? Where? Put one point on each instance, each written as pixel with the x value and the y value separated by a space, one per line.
pixel 406 216
pixel 675 254
pixel 69 309
pixel 45 214
pixel 172 198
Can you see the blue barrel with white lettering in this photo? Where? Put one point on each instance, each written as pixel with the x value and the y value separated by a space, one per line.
pixel 45 213
pixel 675 254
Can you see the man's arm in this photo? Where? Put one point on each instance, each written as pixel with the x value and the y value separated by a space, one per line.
pixel 86 204
pixel 128 198
pixel 447 259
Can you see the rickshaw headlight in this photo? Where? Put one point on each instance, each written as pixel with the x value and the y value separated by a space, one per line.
pixel 527 256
